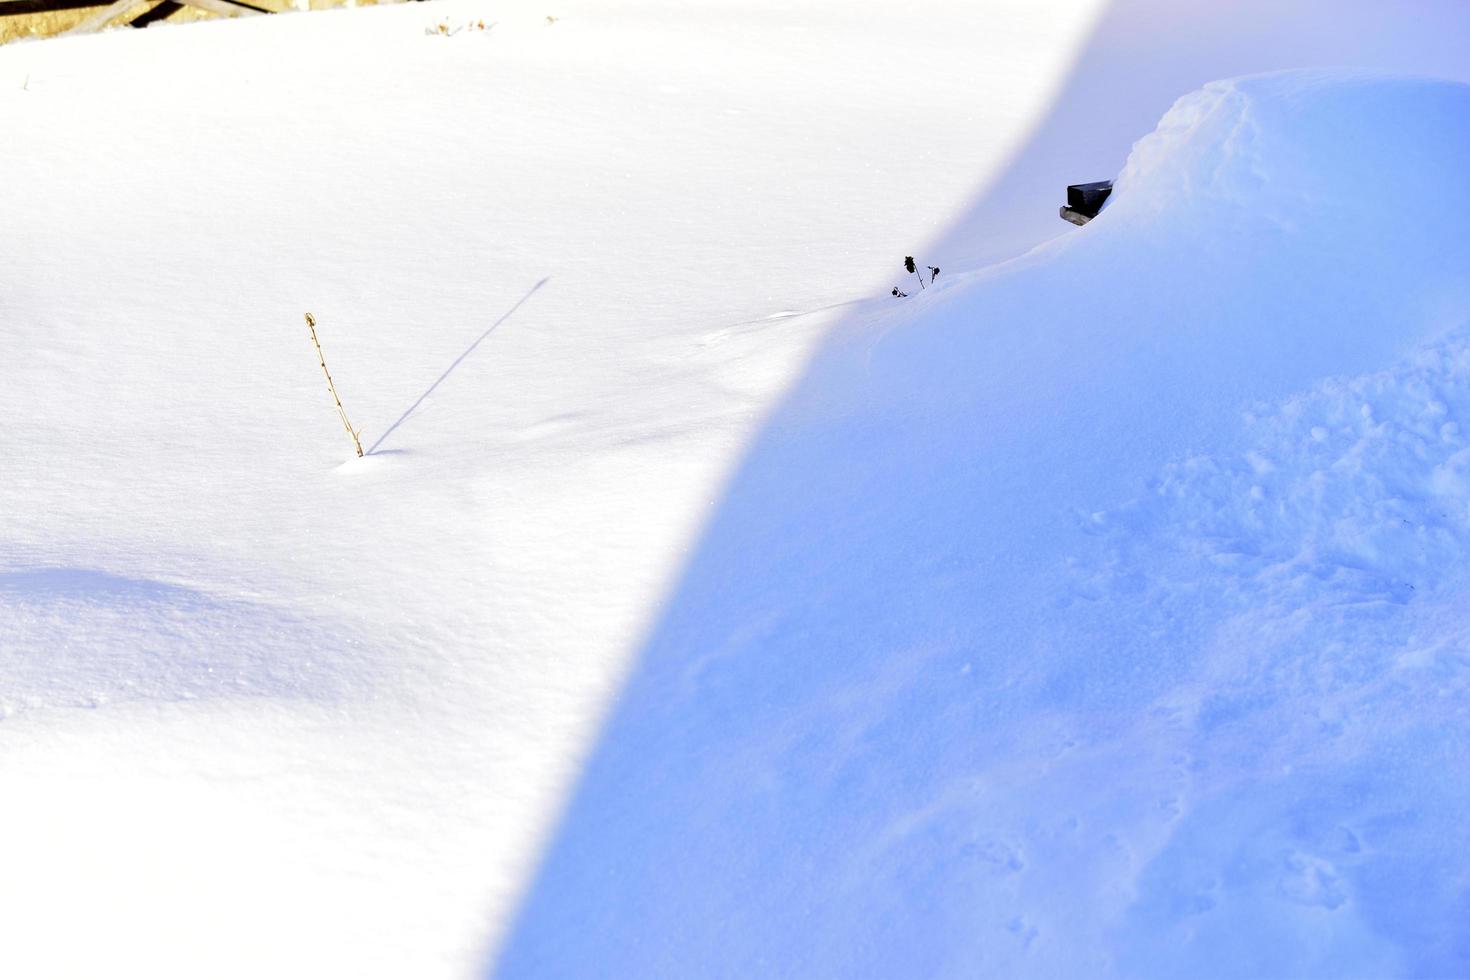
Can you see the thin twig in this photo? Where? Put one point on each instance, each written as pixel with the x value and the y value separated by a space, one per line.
pixel 311 322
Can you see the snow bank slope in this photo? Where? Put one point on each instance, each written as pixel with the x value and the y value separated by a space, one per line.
pixel 267 709
pixel 1100 615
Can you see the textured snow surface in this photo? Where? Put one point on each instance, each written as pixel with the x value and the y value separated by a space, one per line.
pixel 700 610
pixel 1067 622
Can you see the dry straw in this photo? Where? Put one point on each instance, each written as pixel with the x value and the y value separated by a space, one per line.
pixel 342 412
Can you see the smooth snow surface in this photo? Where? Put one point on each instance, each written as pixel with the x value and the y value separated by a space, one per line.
pixel 700 609
pixel 272 710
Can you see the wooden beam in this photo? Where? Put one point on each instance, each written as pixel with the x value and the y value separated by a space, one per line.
pixel 224 8
pixel 110 13
pixel 9 8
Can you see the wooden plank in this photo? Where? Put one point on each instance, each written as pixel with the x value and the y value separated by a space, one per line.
pixel 9 8
pixel 224 8
pixel 110 13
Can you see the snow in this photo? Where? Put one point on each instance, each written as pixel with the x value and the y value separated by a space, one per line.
pixel 1143 54
pixel 700 609
pixel 1015 648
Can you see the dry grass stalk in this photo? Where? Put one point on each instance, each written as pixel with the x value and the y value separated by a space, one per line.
pixel 311 322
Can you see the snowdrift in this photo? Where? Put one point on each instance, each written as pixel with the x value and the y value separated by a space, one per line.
pixel 267 709
pixel 1100 614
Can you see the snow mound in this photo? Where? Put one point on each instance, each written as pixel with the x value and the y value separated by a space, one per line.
pixel 1363 483
pixel 1316 157
pixel 1072 620
pixel 75 637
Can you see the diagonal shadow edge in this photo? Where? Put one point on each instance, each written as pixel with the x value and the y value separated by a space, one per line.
pixel 1073 103
pixel 1014 161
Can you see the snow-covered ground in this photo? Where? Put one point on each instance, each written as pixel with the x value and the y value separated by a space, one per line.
pixel 699 608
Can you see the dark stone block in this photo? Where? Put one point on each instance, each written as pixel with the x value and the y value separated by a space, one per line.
pixel 1087 199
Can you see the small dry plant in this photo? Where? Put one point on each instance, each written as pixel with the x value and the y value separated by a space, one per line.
pixel 342 412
